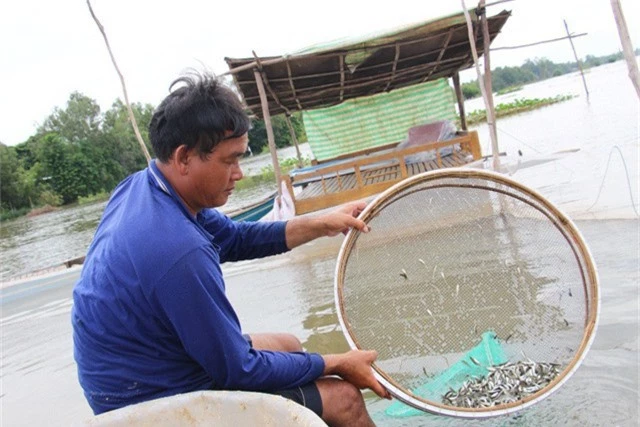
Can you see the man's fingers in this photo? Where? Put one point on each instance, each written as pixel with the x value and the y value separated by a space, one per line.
pixel 356 223
pixel 380 390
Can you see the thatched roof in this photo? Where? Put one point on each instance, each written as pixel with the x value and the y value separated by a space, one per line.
pixel 326 75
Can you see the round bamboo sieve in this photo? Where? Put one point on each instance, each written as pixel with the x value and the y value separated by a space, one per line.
pixel 463 273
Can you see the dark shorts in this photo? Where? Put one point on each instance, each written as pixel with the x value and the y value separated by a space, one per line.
pixel 306 395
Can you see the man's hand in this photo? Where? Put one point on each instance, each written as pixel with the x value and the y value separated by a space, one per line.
pixel 344 218
pixel 303 229
pixel 355 367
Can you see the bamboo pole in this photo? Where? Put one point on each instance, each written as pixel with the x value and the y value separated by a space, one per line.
pixel 584 81
pixel 489 112
pixel 627 47
pixel 460 99
pixel 269 128
pixel 574 36
pixel 124 87
pixel 292 132
pixel 486 38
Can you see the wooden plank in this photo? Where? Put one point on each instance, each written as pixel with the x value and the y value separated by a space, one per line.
pixel 448 162
pixel 380 174
pixel 403 168
pixel 329 200
pixel 358 177
pixel 361 152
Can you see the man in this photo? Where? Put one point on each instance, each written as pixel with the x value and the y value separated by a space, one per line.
pixel 150 316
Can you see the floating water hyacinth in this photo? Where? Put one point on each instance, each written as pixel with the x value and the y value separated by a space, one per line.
pixel 504 384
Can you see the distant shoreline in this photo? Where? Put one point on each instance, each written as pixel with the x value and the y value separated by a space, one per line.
pixel 66 266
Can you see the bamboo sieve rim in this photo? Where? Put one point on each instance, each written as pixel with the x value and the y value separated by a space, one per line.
pixel 562 222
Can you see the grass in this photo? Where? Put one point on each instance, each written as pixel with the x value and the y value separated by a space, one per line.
pixel 8 214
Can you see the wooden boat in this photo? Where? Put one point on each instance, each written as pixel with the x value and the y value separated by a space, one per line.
pixel 253 211
pixel 366 175
pixel 219 408
pixel 360 98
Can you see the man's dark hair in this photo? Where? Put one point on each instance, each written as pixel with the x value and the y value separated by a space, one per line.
pixel 200 113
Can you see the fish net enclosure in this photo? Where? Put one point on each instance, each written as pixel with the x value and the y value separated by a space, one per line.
pixel 480 297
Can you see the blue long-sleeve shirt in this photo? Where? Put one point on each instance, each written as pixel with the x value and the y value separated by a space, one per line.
pixel 150 315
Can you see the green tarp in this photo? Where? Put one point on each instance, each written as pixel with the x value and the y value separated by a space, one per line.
pixel 376 120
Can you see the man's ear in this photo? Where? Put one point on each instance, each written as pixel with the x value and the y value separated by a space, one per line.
pixel 182 157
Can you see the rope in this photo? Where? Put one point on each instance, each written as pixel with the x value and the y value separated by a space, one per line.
pixel 626 171
pixel 519 140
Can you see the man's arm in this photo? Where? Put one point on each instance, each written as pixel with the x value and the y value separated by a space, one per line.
pixel 303 229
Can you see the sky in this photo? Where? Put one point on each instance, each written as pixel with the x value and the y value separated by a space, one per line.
pixel 49 49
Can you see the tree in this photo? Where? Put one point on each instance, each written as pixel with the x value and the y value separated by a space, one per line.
pixel 65 168
pixel 80 120
pixel 117 131
pixel 258 134
pixel 9 177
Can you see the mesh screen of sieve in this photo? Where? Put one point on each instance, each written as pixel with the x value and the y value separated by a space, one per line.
pixel 455 258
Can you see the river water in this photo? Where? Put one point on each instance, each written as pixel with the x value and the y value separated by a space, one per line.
pixel 596 186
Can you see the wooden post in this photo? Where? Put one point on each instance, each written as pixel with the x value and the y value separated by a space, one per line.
pixel 627 48
pixel 489 112
pixel 566 27
pixel 460 98
pixel 267 124
pixel 489 87
pixel 292 132
pixel 474 145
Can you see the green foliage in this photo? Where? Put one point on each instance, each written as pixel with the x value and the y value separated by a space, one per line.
pixel 471 90
pixel 118 134
pixel 49 198
pixel 63 168
pixel 517 106
pixel 80 120
pixel 532 70
pixel 267 173
pixel 92 198
pixel 6 215
pixel 509 90
pixel 76 154
pixel 9 179
pixel 258 141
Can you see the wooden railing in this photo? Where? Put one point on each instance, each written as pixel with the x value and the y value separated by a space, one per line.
pixel 363 176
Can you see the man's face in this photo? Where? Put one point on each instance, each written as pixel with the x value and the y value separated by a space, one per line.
pixel 213 179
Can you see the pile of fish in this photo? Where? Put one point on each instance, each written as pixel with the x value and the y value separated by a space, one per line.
pixel 506 383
